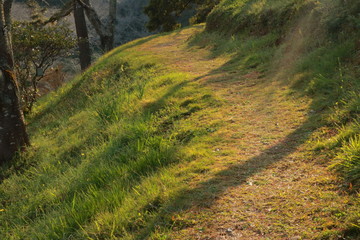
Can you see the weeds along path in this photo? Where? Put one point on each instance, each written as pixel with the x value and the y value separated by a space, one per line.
pixel 264 183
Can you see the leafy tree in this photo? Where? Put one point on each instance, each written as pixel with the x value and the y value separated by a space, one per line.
pixel 37 48
pixel 164 14
pixel 13 135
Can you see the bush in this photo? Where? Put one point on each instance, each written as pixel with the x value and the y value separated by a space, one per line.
pixel 36 49
pixel 256 17
pixel 167 15
pixel 348 161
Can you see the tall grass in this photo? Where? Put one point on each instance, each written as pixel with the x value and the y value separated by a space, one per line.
pixel 104 152
pixel 256 16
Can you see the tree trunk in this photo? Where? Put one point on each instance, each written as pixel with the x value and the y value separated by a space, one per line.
pixel 82 36
pixel 112 23
pixel 106 43
pixel 13 136
pixel 104 32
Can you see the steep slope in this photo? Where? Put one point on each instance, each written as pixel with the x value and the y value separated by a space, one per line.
pixel 112 147
pixel 195 135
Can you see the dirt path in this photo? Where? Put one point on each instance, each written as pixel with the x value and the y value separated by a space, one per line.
pixel 263 184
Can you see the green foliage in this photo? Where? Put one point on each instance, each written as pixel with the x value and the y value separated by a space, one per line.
pixel 345 19
pixel 37 47
pixel 263 16
pixel 258 16
pixel 203 9
pixel 330 75
pixel 164 14
pixel 348 161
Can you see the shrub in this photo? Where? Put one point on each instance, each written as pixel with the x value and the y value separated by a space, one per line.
pixel 36 49
pixel 348 161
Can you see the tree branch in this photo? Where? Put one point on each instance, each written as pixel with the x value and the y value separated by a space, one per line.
pixel 64 11
pixel 7 11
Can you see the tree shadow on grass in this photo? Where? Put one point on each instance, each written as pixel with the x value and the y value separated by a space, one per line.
pixel 62 102
pixel 206 193
pixel 153 107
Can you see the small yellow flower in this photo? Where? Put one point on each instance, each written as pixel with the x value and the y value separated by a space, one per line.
pixel 2 210
pixel 82 154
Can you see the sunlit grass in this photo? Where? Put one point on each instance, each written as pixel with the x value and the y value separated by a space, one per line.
pixel 115 151
pixel 104 151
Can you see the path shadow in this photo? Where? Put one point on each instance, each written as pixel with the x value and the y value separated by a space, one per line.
pixel 206 193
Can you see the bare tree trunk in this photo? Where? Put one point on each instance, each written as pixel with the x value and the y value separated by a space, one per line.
pixel 106 33
pixel 112 21
pixel 13 136
pixel 82 36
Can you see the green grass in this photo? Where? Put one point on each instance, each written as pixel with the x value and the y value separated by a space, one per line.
pixel 104 152
pixel 114 150
pixel 255 16
pixel 324 68
pixel 246 53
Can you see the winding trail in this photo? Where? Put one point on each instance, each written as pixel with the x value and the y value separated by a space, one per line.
pixel 264 183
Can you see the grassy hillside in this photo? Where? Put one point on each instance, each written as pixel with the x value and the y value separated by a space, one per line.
pixel 196 134
pixel 105 150
pixel 318 42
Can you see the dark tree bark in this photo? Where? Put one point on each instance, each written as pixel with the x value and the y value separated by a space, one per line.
pixel 106 33
pixel 64 11
pixel 112 23
pixel 13 136
pixel 82 36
